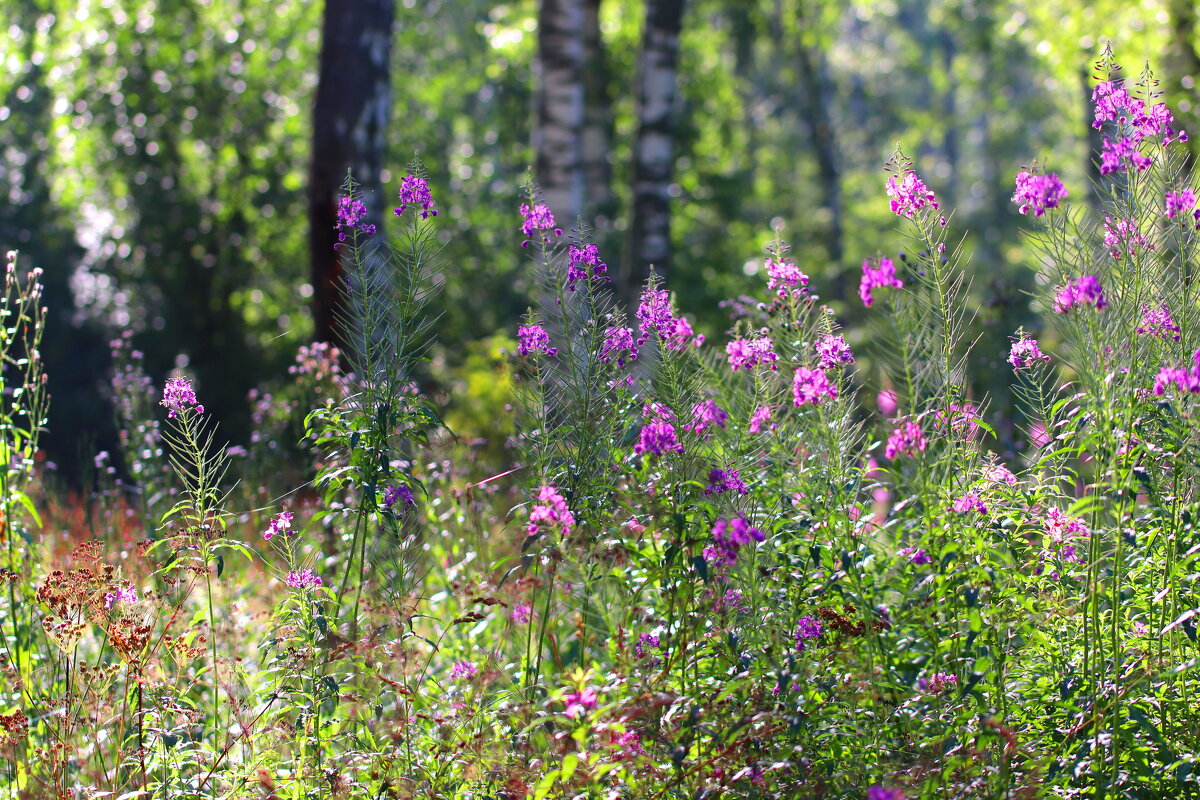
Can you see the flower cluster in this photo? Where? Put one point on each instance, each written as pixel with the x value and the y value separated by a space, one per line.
pixel 534 339
pixel 280 525
pixel 392 494
pixel 1084 291
pixel 1186 380
pixel 785 278
pixel 916 555
pixel 1157 321
pixel 414 191
pixel 123 595
pixel 908 194
pixel 812 386
pixel 749 353
pixel 760 417
pixel 938 683
pixel 1183 203
pixel 970 503
pixel 881 276
pixel 731 536
pixel 1062 531
pixel 303 579
pixel 720 481
pixel 537 218
pixel 1136 120
pixel 618 341
pixel 462 670
pixel 658 436
pixel 832 350
pixel 583 261
pixel 1037 193
pixel 1025 353
pixel 350 215
pixel 178 395
pixel 906 439
pixel 1124 236
pixel 706 414
pixel 550 510
pixel 580 702
pixel 807 628
pixel 654 316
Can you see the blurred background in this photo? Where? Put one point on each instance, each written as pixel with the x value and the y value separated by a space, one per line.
pixel 172 164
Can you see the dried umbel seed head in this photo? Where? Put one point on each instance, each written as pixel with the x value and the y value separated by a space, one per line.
pixel 13 728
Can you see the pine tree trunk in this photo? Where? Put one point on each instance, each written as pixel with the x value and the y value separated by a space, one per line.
pixel 558 128
pixel 349 124
pixel 653 147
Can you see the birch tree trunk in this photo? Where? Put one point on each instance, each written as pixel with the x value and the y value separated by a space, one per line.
pixel 649 241
pixel 349 122
pixel 558 127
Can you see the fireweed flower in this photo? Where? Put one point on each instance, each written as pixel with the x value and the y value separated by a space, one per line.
pixel 463 670
pixel 126 595
pixel 1123 235
pixel 720 481
pixel 414 191
pixel 644 643
pixel 706 414
pixel 303 579
pixel 583 261
pixel 970 503
pixel 654 316
pixel 1157 321
pixel 908 194
pixel 580 702
pixel 178 395
pixel 812 386
pixel 878 792
pixel 392 494
pixel 1137 121
pixel 537 218
pixel 916 556
pixel 882 276
pixel 618 342
pixel 807 628
pixel 1084 291
pixel 1037 193
pixel 832 350
pixel 760 417
pixel 785 278
pixel 534 339
pixel 749 353
pixel 280 525
pixel 350 214
pixel 997 473
pixel 522 613
pixel 1025 353
pixel 550 511
pixel 1181 203
pixel 938 682
pixel 1064 532
pixel 1186 380
pixel 730 537
pixel 906 439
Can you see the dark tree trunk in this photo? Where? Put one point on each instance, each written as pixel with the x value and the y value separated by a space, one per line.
pixel 599 207
pixel 558 128
pixel 349 122
pixel 816 98
pixel 1184 65
pixel 653 147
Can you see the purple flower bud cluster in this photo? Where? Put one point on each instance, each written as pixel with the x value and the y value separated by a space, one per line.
pixel 303 579
pixel 759 419
pixel 619 344
pixel 706 414
pixel 414 191
pixel 1037 193
pixel 1136 120
pixel 280 525
pixel 537 218
pixel 1123 236
pixel 1182 203
pixel 534 339
pixel 463 670
pixel 832 351
pixel 392 494
pixel 125 595
pixel 350 214
pixel 970 503
pixel 881 276
pixel 1064 532
pixel 1025 353
pixel 583 261
pixel 1082 292
pixel 654 316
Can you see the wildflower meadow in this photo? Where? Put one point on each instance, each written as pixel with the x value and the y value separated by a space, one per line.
pixel 790 562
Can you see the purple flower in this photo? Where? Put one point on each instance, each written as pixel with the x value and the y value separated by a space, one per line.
pixel 906 439
pixel 657 437
pixel 720 481
pixel 581 261
pixel 749 353
pixel 812 386
pixel 618 340
pixel 580 702
pixel 916 556
pixel 1123 235
pixel 350 214
pixel 178 395
pixel 1025 353
pixel 1132 115
pixel 654 316
pixel 909 194
pixel 785 277
pixel 760 417
pixel 1180 203
pixel 126 595
pixel 280 525
pixel 706 414
pixel 1157 321
pixel 537 218
pixel 998 473
pixel 414 191
pixel 882 276
pixel 645 641
pixel 393 493
pixel 832 350
pixel 1038 193
pixel 1083 291
pixel 807 628
pixel 1186 380
pixel 550 511
pixel 303 579
pixel 730 537
pixel 534 339
pixel 463 670
pixel 882 793
pixel 939 682
pixel 969 503
pixel 522 613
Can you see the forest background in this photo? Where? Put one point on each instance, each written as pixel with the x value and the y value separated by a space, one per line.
pixel 157 161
